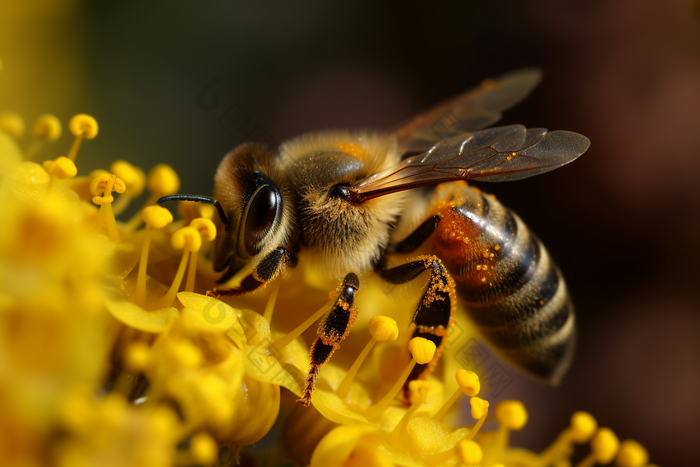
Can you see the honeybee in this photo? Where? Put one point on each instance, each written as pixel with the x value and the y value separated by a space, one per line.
pixel 351 202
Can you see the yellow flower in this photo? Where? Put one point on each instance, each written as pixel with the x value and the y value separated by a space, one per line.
pixel 113 353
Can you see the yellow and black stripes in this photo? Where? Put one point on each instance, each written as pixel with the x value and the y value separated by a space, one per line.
pixel 512 289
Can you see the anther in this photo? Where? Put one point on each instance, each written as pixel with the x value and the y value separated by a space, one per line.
pixel 101 188
pixel 83 127
pixel 632 454
pixel 422 351
pixel 511 414
pixel 581 429
pixel 479 411
pixel 162 181
pixel 604 448
pixel 382 329
pixel 469 452
pixel 46 128
pixel 468 383
pixel 12 124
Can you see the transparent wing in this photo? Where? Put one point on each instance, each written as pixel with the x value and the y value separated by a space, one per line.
pixel 496 155
pixel 475 109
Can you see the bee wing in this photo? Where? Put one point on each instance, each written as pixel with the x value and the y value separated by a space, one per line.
pixel 475 109
pixel 497 155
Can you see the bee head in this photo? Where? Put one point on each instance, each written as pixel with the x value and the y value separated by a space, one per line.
pixel 256 199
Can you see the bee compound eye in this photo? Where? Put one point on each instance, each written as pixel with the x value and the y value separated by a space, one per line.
pixel 262 213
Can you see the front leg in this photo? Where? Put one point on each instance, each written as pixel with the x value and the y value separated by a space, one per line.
pixel 334 327
pixel 265 271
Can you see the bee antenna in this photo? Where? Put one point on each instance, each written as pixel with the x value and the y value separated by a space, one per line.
pixel 198 199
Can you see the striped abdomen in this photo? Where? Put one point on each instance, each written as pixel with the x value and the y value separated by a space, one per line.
pixel 505 278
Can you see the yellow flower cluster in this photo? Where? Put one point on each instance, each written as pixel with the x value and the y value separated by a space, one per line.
pixel 112 353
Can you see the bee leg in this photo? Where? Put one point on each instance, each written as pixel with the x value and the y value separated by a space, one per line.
pixel 417 237
pixel 435 310
pixel 265 271
pixel 332 330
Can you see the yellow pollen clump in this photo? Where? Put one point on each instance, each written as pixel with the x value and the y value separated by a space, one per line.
pixel 422 350
pixel 137 356
pixel 511 414
pixel 355 150
pixel 203 449
pixel 583 427
pixel 205 227
pixel 156 217
pixel 469 452
pixel 468 382
pixel 632 454
pixel 61 168
pixel 604 445
pixel 47 128
pixel 83 125
pixel 383 328
pixel 188 238
pixel 479 407
pixel 102 186
pixel 12 124
pixel 163 181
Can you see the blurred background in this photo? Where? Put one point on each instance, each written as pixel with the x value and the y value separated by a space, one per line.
pixel 185 82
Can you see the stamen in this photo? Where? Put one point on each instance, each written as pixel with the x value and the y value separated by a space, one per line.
pixel 162 181
pixel 46 128
pixel 422 351
pixel 155 217
pixel 12 124
pixel 468 383
pixel 101 187
pixel 188 240
pixel 632 454
pixel 480 409
pixel 469 452
pixel 82 126
pixel 207 230
pixel 60 169
pixel 582 428
pixel 418 395
pixel 135 181
pixel 270 307
pixel 604 447
pixel 382 329
pixel 285 340
pixel 511 415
